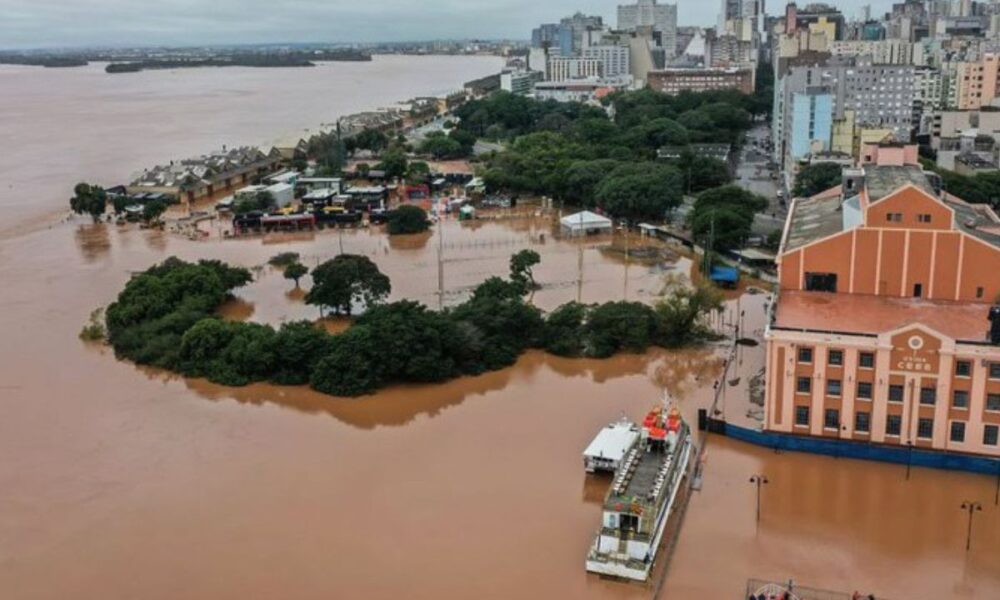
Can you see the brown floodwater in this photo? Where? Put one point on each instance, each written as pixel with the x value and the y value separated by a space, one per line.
pixel 123 482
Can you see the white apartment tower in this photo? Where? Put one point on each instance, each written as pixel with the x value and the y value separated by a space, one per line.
pixel 647 13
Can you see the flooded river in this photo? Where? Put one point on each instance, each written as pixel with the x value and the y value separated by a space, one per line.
pixel 121 482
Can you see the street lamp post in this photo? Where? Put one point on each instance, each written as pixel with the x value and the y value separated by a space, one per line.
pixel 758 480
pixel 909 458
pixel 970 507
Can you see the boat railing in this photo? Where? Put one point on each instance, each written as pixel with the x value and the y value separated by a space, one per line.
pixel 792 591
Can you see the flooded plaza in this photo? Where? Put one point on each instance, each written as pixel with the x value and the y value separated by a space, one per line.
pixel 123 482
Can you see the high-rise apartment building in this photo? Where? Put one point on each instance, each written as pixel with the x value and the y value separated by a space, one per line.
pixel 661 18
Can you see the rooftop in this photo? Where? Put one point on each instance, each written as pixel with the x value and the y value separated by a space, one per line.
pixel 882 180
pixel 814 218
pixel 872 315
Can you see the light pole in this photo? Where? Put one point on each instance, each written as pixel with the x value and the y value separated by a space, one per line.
pixel 970 507
pixel 909 458
pixel 759 480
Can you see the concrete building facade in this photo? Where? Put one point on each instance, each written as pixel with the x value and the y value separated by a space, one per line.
pixel 675 81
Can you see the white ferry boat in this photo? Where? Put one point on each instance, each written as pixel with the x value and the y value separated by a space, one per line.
pixel 636 508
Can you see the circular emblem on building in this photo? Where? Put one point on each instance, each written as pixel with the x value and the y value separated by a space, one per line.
pixel 915 342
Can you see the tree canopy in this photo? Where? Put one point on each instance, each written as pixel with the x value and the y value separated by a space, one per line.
pixel 407 218
pixel 521 265
pixel 816 178
pixel 89 200
pixel 641 192
pixel 346 280
pixel 726 214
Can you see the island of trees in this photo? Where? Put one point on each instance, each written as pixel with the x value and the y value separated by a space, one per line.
pixel 166 317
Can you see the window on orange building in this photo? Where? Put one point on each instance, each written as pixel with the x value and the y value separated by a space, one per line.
pixel 928 395
pixel 960 399
pixel 925 428
pixel 893 424
pixel 862 421
pixel 993 402
pixel 835 358
pixel 833 387
pixel 803 385
pixel 963 368
pixel 821 282
pixel 866 360
pixel 802 416
pixel 957 431
pixel 805 355
pixel 994 370
pixel 864 390
pixel 895 393
pixel 831 418
pixel 894 217
pixel 924 218
pixel 990 435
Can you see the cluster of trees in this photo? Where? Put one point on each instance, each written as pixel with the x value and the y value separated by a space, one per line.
pixel 724 214
pixel 457 143
pixel 575 153
pixel 93 200
pixel 165 317
pixel 815 178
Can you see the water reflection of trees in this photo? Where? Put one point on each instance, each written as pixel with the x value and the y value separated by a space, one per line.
pixel 401 404
pixel 93 240
pixel 412 241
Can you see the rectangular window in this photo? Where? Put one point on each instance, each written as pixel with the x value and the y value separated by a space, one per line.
pixel 993 402
pixel 960 399
pixel 963 368
pixel 802 416
pixel 805 355
pixel 821 282
pixel 803 385
pixel 990 435
pixel 866 360
pixel 893 424
pixel 994 370
pixel 862 422
pixel 833 387
pixel 925 428
pixel 894 217
pixel 924 218
pixel 831 418
pixel 835 358
pixel 864 390
pixel 957 431
pixel 928 395
pixel 895 393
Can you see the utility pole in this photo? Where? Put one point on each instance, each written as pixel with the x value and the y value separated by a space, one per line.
pixel 970 507
pixel 440 234
pixel 757 479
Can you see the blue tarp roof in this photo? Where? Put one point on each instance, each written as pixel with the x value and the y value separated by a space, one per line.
pixel 725 274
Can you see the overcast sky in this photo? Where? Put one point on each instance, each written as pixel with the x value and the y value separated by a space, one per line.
pixel 49 23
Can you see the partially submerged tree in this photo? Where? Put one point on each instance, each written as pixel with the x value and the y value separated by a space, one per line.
pixel 521 265
pixel 90 200
pixel 345 280
pixel 407 219
pixel 153 210
pixel 296 271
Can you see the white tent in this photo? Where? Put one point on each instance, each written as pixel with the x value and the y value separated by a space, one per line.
pixel 584 223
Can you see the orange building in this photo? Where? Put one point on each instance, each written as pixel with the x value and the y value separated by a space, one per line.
pixel 883 329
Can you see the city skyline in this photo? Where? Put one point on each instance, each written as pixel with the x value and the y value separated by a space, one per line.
pixel 62 23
